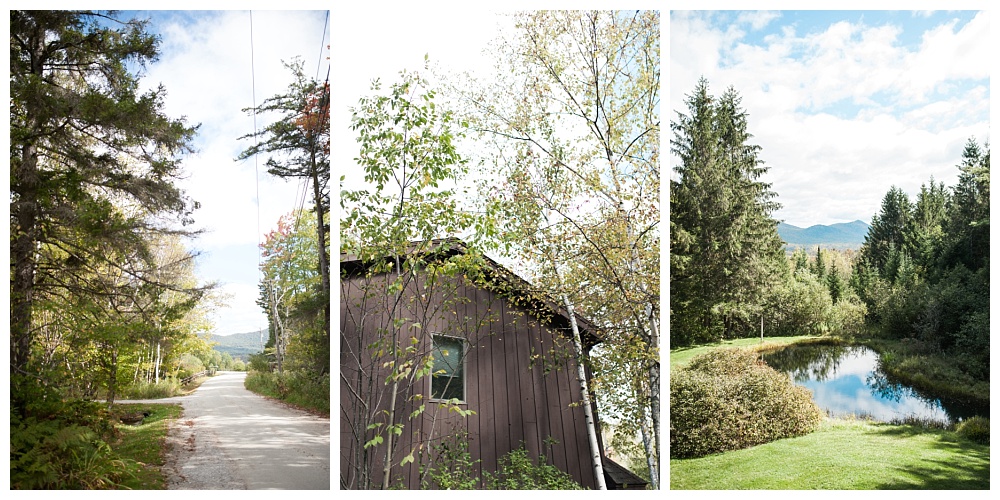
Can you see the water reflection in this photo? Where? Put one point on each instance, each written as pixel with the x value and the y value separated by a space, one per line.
pixel 847 380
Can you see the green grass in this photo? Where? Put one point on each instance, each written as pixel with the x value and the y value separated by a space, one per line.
pixel 841 454
pixel 681 356
pixel 142 446
pixel 293 388
pixel 844 454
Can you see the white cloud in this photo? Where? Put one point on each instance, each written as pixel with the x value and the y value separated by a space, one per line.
pixel 757 20
pixel 845 112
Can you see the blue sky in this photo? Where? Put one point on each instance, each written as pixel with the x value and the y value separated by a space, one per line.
pixel 845 104
pixel 205 66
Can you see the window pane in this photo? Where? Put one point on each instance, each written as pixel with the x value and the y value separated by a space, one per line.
pixel 448 380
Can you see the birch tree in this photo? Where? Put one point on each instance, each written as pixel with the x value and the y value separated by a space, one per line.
pixel 572 121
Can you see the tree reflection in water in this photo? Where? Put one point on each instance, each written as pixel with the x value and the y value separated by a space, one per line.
pixel 848 379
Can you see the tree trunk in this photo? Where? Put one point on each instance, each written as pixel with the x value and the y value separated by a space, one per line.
pixel 654 388
pixel 324 265
pixel 581 374
pixel 651 461
pixel 22 249
pixel 156 366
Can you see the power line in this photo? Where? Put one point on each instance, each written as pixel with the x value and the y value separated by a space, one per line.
pixel 256 171
pixel 322 45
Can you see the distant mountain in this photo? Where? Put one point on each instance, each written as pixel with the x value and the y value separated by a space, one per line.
pixel 841 235
pixel 239 345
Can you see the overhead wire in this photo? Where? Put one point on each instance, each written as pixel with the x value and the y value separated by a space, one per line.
pixel 304 186
pixel 256 169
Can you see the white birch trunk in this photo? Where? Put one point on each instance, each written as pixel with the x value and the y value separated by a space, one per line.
pixel 581 374
pixel 156 366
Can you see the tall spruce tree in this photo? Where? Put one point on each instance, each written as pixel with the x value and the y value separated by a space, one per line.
pixel 84 145
pixel 886 238
pixel 724 246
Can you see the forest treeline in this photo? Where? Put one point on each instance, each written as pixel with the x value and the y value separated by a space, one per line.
pixel 922 273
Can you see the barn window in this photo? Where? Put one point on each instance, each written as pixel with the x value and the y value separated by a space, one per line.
pixel 448 380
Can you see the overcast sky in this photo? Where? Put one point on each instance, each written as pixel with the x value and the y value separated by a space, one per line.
pixel 205 65
pixel 844 104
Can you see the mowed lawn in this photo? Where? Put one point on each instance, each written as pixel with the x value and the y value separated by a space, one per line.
pixel 844 455
pixel 841 454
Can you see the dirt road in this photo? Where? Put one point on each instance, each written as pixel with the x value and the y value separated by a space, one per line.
pixel 229 438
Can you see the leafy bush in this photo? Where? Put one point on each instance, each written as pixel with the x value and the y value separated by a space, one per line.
pixel 728 399
pixel 297 388
pixel 517 471
pixel 975 429
pixel 453 466
pixel 454 469
pixel 260 362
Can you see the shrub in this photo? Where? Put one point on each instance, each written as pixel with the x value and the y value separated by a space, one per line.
pixel 297 388
pixel 975 429
pixel 453 467
pixel 728 399
pixel 517 471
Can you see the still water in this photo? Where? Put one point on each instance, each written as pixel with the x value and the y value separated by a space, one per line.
pixel 846 380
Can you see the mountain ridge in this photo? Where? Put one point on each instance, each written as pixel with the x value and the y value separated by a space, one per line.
pixel 238 345
pixel 841 234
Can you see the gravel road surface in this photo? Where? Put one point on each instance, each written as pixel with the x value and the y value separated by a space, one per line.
pixel 229 438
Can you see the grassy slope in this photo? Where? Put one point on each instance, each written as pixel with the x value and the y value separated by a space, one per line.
pixel 840 455
pixel 143 445
pixel 844 455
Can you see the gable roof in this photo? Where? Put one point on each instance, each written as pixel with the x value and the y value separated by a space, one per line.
pixel 352 265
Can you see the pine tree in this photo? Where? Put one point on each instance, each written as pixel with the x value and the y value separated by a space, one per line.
pixel 91 159
pixel 724 246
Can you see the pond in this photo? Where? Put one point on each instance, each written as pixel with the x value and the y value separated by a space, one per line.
pixel 847 380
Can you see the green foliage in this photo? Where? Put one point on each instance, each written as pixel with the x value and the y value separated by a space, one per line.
pixel 261 362
pixel 451 467
pixel 728 399
pixel 188 365
pixel 165 388
pixel 63 445
pixel 298 388
pixel 724 259
pixel 975 429
pixel 923 272
pixel 517 471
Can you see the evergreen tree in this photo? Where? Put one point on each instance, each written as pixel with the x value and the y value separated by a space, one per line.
pixel 819 267
pixel 886 237
pixel 724 247
pixel 91 159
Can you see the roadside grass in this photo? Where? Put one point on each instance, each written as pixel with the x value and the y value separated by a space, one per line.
pixel 292 388
pixel 681 356
pixel 141 447
pixel 848 455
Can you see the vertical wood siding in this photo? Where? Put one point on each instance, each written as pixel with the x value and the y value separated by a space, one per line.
pixel 518 400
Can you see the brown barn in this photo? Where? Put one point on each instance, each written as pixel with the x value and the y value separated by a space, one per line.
pixel 503 370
